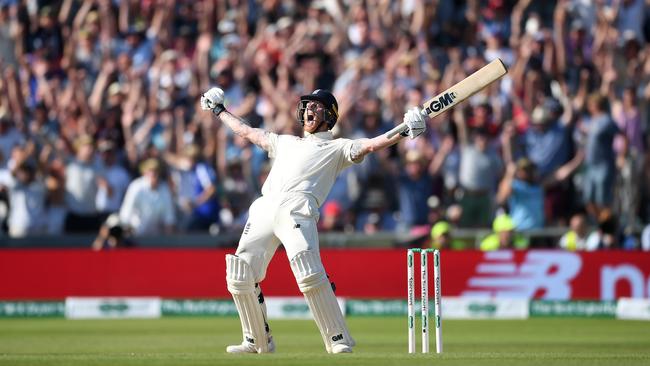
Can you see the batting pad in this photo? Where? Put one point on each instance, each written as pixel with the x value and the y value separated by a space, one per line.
pixel 241 285
pixel 313 282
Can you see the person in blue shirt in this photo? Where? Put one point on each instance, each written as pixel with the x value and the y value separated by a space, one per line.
pixel 600 157
pixel 548 140
pixel 547 143
pixel 522 190
pixel 414 187
pixel 198 189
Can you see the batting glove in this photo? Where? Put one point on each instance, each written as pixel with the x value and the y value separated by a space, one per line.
pixel 414 119
pixel 212 100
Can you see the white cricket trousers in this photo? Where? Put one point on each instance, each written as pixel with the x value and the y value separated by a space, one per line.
pixel 289 219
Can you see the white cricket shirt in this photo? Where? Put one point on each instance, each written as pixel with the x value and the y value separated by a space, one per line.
pixel 307 165
pixel 145 209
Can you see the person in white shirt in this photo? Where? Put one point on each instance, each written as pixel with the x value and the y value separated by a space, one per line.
pixel 576 237
pixel 302 175
pixel 110 189
pixel 82 175
pixel 26 200
pixel 148 207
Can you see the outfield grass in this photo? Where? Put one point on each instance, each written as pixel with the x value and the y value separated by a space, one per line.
pixel 381 341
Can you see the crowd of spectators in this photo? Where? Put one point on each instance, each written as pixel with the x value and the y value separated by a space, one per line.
pixel 99 117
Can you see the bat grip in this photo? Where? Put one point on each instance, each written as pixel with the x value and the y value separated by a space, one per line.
pixel 397 129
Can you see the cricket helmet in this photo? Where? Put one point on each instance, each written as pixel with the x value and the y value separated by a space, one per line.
pixel 331 113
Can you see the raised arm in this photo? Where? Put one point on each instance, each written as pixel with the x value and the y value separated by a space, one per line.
pixel 505 186
pixel 413 118
pixel 363 147
pixel 212 100
pixel 256 136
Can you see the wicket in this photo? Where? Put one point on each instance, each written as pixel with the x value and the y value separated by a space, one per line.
pixel 424 284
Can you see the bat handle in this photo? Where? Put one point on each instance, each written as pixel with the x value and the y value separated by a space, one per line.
pixel 402 126
pixel 397 129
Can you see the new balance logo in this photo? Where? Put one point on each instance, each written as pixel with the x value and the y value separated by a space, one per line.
pixel 337 337
pixel 542 274
pixel 250 340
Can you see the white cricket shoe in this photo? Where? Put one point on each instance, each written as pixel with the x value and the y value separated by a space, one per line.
pixel 341 348
pixel 246 347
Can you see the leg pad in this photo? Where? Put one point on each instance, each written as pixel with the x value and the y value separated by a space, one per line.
pixel 241 284
pixel 314 284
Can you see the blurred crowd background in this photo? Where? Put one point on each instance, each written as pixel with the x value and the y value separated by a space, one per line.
pixel 100 129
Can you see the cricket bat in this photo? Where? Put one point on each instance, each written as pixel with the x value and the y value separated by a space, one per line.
pixel 458 93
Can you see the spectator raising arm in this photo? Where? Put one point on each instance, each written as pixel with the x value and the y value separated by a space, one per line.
pixel 565 171
pixel 505 187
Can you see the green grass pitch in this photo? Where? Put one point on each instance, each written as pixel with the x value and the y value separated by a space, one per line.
pixel 381 341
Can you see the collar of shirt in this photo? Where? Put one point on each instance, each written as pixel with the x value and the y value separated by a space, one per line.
pixel 325 135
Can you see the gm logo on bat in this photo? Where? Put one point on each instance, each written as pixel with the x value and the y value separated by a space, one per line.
pixel 442 102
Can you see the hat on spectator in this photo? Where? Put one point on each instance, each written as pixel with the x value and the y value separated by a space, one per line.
pixel 433 202
pixel 114 89
pixel 525 164
pixel 83 140
pixel 136 29
pixel 503 223
pixel 407 59
pixel 319 4
pixel 440 228
pixel 284 23
pixel 226 26
pixel 84 33
pixel 413 156
pixel 150 165
pixel 532 25
pixel 540 115
pixel 92 16
pixel 105 145
pixel 168 55
pixel 192 151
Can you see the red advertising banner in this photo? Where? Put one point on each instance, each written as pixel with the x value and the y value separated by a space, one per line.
pixel 358 273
